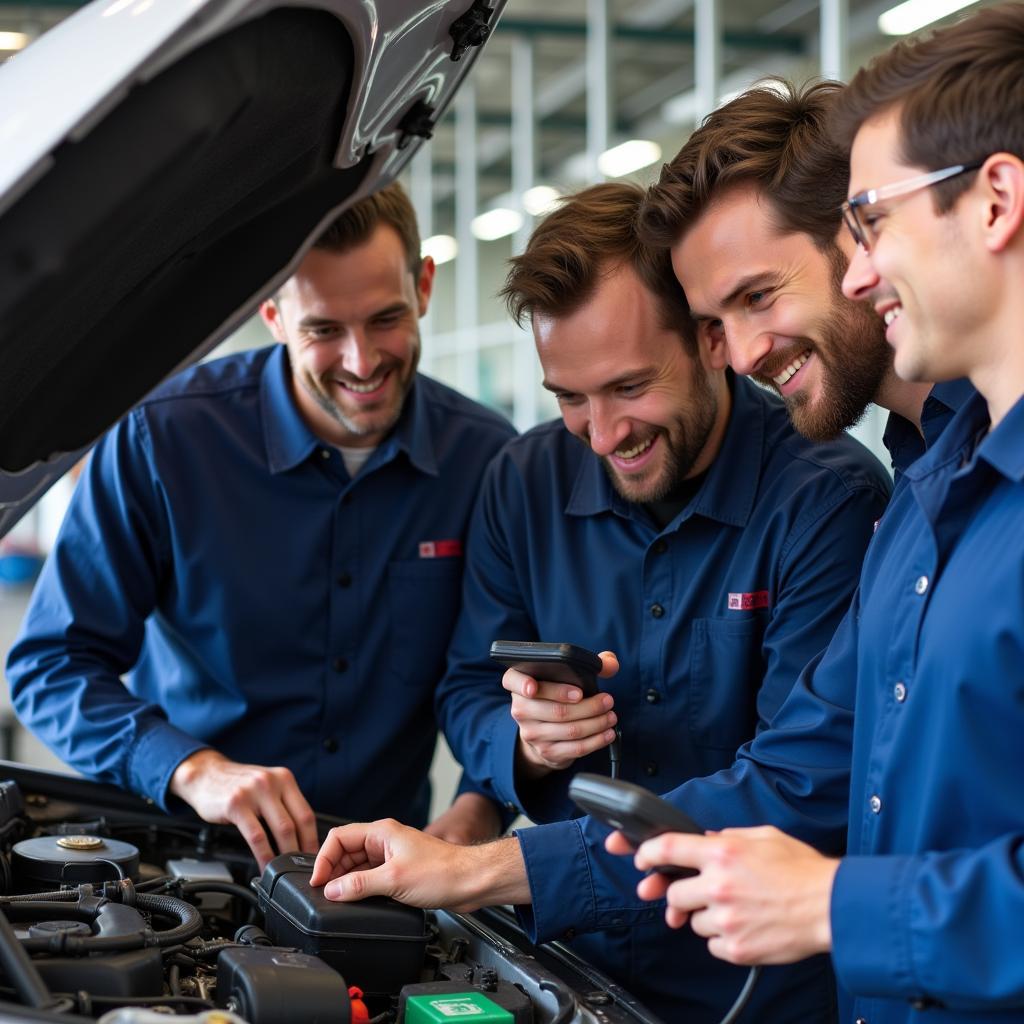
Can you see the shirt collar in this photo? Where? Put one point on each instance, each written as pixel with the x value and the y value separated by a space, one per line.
pixel 289 441
pixel 1002 449
pixel 902 439
pixel 730 488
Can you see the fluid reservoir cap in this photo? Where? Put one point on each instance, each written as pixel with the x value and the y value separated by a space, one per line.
pixel 44 929
pixel 81 842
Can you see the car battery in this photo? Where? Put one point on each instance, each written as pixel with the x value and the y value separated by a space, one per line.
pixel 452 1006
pixel 377 943
pixel 446 1000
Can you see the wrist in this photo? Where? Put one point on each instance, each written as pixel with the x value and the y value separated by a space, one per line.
pixel 529 766
pixel 493 874
pixel 189 770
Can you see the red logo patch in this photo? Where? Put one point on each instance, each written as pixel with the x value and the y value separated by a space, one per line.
pixel 747 602
pixel 440 549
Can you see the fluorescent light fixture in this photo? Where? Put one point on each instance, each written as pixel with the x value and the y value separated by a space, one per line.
pixel 914 14
pixel 440 248
pixel 540 199
pixel 497 223
pixel 13 40
pixel 628 157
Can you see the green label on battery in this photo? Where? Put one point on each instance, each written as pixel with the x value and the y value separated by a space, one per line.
pixel 469 1006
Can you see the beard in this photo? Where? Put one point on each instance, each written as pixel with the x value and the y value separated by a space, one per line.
pixel 365 421
pixel 684 440
pixel 854 357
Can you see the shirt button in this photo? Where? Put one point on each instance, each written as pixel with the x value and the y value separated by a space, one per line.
pixel 652 696
pixel 660 547
pixel 651 768
pixel 875 803
pixel 344 579
pixel 331 745
pixel 339 664
pixel 899 691
pixel 657 611
pixel 861 1020
pixel 921 585
pixel 325 453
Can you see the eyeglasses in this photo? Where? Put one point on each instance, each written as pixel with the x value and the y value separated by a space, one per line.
pixel 862 229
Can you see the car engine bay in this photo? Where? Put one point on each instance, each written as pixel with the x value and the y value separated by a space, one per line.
pixel 114 911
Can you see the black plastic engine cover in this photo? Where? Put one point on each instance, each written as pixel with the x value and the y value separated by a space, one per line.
pixel 139 972
pixel 377 944
pixel 276 986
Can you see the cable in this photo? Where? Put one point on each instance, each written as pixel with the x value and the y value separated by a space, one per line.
pixel 743 998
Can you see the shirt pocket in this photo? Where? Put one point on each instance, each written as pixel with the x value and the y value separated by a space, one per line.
pixel 726 672
pixel 423 603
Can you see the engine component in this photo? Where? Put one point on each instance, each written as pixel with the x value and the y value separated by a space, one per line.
pixel 138 972
pixel 203 871
pixel 139 1015
pixel 417 1003
pixel 276 986
pixel 378 943
pixel 48 862
pixel 439 1008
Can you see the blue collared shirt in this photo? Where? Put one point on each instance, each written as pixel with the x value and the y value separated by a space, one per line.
pixel 711 617
pixel 218 557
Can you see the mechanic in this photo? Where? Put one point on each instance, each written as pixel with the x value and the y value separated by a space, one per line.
pixel 269 550
pixel 771 141
pixel 673 515
pixel 924 910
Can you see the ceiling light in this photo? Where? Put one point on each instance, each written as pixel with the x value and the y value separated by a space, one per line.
pixel 630 156
pixel 497 223
pixel 13 40
pixel 440 248
pixel 914 14
pixel 540 199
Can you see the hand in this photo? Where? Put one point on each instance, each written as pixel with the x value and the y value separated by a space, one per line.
pixel 385 858
pixel 761 897
pixel 246 796
pixel 556 725
pixel 472 818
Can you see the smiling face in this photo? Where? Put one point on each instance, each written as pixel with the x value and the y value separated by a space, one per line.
pixel 773 298
pixel 919 263
pixel 350 321
pixel 628 388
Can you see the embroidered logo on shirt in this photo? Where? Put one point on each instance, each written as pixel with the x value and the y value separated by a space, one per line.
pixel 440 549
pixel 747 602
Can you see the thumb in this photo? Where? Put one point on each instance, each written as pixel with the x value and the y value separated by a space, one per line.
pixel 609 664
pixel 357 885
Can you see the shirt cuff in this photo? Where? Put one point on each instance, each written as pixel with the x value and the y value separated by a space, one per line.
pixel 561 886
pixel 157 754
pixel 871 936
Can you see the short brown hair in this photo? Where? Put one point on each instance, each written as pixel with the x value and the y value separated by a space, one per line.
pixel 776 139
pixel 589 235
pixel 388 206
pixel 960 93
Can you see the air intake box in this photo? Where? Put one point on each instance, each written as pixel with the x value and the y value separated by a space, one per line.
pixel 376 944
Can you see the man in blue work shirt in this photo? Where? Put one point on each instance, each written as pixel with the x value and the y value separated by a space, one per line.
pixel 269 550
pixel 693 531
pixel 924 910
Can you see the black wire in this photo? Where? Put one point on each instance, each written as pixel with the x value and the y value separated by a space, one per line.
pixel 743 998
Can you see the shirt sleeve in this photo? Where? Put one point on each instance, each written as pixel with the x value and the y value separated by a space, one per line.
pixel 471 705
pixel 85 625
pixel 933 928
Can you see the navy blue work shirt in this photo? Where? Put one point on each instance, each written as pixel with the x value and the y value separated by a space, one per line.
pixel 711 617
pixel 254 597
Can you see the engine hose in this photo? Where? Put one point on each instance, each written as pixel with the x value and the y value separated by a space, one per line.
pixel 231 888
pixel 190 922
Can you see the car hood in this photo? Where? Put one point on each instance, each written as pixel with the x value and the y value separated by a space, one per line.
pixel 165 163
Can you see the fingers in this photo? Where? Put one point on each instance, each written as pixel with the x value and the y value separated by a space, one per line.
pixel 617 843
pixel 609 664
pixel 343 850
pixel 675 848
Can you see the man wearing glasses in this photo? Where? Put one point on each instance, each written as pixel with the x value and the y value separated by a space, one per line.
pixel 924 909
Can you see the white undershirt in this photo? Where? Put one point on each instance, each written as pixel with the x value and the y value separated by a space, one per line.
pixel 355 458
